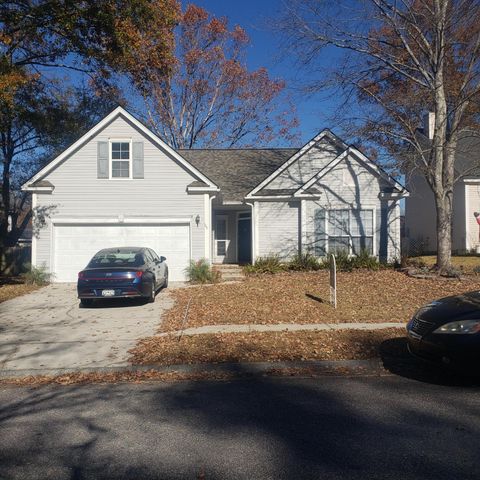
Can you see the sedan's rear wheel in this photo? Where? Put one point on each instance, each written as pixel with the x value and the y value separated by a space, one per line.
pixel 86 302
pixel 151 298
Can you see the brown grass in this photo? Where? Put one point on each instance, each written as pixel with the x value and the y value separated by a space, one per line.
pixel 465 263
pixel 261 347
pixel 363 296
pixel 11 287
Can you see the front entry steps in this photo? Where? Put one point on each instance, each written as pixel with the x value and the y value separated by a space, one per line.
pixel 229 272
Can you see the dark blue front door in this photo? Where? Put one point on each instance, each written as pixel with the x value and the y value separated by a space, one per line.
pixel 244 240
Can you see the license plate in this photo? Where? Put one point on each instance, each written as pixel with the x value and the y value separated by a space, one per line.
pixel 108 293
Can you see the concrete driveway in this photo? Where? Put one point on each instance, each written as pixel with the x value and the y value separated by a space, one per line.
pixel 48 329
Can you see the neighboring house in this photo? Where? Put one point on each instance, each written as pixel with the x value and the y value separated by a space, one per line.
pixel 121 185
pixel 420 212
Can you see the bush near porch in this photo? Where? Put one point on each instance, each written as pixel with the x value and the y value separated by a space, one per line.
pixel 302 297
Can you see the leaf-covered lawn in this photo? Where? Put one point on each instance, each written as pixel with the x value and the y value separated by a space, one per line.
pixel 363 296
pixel 467 263
pixel 11 287
pixel 262 347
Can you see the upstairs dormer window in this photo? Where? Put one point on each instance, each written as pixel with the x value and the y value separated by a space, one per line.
pixel 120 159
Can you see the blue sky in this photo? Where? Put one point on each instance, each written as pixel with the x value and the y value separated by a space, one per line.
pixel 255 17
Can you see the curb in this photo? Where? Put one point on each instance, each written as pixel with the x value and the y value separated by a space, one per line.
pixel 280 327
pixel 373 365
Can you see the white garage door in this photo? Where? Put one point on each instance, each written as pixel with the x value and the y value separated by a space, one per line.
pixel 76 244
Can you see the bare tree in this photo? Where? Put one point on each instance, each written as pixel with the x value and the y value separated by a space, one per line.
pixel 401 60
pixel 210 97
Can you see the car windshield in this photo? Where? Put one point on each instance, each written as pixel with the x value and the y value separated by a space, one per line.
pixel 116 259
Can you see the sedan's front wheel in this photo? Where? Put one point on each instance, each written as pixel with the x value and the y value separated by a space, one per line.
pixel 151 298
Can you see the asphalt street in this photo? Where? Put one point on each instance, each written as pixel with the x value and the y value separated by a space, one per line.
pixel 369 427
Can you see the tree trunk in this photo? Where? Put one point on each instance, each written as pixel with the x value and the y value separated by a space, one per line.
pixel 444 232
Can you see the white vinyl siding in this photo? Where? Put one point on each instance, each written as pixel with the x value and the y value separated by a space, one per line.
pixel 162 193
pixel 420 216
pixel 306 166
pixel 472 205
pixel 278 228
pixel 365 195
pixel 281 224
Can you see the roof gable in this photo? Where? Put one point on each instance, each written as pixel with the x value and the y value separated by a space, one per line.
pixel 351 152
pixel 306 188
pixel 119 111
pixel 325 135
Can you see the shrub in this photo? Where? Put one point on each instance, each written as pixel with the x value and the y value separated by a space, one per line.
pixel 268 264
pixel 362 260
pixel 452 272
pixel 200 271
pixel 417 262
pixel 304 262
pixel 365 260
pixel 37 276
pixel 342 260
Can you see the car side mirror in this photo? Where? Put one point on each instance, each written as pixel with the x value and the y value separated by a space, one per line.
pixel 162 259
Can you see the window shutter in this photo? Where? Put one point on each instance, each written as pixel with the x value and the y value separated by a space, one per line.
pixel 137 159
pixel 102 160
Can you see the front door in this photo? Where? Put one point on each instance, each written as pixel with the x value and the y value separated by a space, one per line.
pixel 244 238
pixel 221 240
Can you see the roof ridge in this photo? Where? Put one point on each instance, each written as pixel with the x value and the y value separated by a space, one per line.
pixel 237 149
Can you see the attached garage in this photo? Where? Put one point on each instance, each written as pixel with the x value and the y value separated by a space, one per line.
pixel 75 242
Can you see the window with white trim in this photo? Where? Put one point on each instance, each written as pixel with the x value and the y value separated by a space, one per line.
pixel 120 160
pixel 349 231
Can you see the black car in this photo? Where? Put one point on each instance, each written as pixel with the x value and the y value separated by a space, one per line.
pixel 123 272
pixel 447 330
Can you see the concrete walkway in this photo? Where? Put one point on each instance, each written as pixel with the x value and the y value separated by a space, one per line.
pixel 283 327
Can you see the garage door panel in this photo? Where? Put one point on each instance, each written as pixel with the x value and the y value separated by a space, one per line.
pixel 76 244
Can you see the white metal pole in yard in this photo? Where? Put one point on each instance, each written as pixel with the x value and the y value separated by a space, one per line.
pixel 333 281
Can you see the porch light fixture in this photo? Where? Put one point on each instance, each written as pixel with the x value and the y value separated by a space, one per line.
pixel 197 220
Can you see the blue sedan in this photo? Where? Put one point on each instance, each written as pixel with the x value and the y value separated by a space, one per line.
pixel 123 272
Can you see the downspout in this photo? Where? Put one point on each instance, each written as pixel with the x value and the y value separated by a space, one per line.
pixel 254 231
pixel 210 234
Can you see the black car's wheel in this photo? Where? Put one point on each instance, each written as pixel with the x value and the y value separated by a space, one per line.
pixel 151 298
pixel 86 302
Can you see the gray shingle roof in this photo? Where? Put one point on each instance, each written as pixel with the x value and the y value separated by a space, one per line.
pixel 237 171
pixel 197 183
pixel 467 155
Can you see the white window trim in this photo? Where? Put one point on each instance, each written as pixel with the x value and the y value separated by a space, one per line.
pixel 110 159
pixel 350 243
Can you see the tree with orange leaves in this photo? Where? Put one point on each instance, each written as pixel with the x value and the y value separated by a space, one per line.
pixel 402 60
pixel 210 98
pixel 41 43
